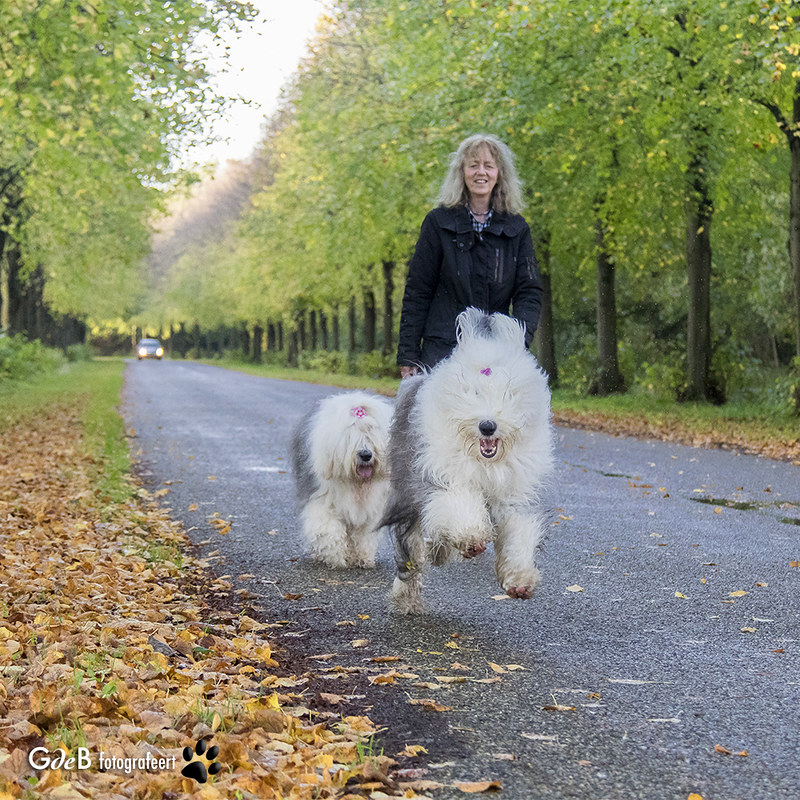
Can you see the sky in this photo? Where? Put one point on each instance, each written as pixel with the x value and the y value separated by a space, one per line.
pixel 262 58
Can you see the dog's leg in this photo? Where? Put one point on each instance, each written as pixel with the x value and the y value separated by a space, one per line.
pixel 325 533
pixel 457 519
pixel 362 546
pixel 519 532
pixel 410 557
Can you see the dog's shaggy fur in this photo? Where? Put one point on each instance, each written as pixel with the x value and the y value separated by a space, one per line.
pixel 471 450
pixel 341 469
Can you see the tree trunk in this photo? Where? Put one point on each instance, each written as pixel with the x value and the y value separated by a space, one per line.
pixel 544 340
pixel 336 334
pixel 351 315
pixel 794 214
pixel 302 332
pixel 370 321
pixel 388 308
pixel 699 212
pixel 294 346
pixel 245 335
pixel 258 336
pixel 271 337
pixel 312 329
pixel 323 330
pixel 609 379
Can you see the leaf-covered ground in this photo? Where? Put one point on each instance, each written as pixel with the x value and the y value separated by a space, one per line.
pixel 724 433
pixel 106 645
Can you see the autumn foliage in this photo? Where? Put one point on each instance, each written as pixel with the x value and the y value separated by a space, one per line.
pixel 105 645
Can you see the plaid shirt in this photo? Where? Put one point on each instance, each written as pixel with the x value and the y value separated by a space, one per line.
pixel 480 227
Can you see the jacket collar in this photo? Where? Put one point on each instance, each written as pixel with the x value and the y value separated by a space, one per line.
pixel 456 219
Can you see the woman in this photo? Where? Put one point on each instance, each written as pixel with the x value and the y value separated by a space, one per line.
pixel 474 249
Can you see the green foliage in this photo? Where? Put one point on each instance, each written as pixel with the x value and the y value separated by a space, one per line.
pixel 95 101
pixel 79 352
pixel 335 361
pixel 21 359
pixel 620 115
pixel 376 365
pixel 785 392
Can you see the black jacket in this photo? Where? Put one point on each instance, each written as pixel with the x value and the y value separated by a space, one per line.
pixel 453 268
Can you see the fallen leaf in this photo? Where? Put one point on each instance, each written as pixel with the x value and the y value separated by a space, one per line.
pixel 722 750
pixel 430 705
pixel 193 507
pixel 575 588
pixel 359 643
pixel 412 750
pixel 331 699
pixel 475 787
pixel 559 707
pixel 497 668
pixel 739 593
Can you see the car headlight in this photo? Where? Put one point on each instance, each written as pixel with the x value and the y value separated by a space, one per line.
pixel 160 352
pixel 142 352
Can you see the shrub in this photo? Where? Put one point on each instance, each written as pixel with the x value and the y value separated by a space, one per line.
pixel 79 352
pixel 662 380
pixel 21 359
pixel 376 365
pixel 333 361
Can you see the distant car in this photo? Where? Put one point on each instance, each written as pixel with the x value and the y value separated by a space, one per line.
pixel 149 348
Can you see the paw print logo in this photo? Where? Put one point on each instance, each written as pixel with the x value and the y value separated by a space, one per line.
pixel 196 768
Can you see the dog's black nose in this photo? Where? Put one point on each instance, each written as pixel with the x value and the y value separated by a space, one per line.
pixel 487 427
pixel 365 456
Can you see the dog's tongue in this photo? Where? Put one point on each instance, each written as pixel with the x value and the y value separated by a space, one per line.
pixel 488 447
pixel 364 471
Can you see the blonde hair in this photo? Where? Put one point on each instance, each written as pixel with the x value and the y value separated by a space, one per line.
pixel 507 193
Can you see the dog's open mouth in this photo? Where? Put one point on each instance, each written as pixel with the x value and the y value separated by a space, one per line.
pixel 488 447
pixel 364 471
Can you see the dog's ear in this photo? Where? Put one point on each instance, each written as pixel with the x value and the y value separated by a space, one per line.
pixel 473 322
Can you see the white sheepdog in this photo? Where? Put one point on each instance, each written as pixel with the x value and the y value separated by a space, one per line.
pixel 341 469
pixel 471 450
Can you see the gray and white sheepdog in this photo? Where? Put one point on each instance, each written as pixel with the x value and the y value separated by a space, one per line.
pixel 341 470
pixel 471 449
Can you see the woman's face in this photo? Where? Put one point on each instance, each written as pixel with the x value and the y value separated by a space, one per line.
pixel 480 174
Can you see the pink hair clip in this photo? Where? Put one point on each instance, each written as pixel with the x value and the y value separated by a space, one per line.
pixel 359 411
pixel 486 371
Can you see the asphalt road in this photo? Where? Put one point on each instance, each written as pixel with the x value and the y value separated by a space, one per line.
pixel 684 638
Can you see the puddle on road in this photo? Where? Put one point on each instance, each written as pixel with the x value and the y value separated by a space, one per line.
pixel 743 505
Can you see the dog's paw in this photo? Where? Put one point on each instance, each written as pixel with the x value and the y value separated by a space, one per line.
pixel 361 562
pixel 521 583
pixel 406 596
pixel 330 559
pixel 474 550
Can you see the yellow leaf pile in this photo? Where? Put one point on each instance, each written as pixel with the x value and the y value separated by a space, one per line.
pixel 105 647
